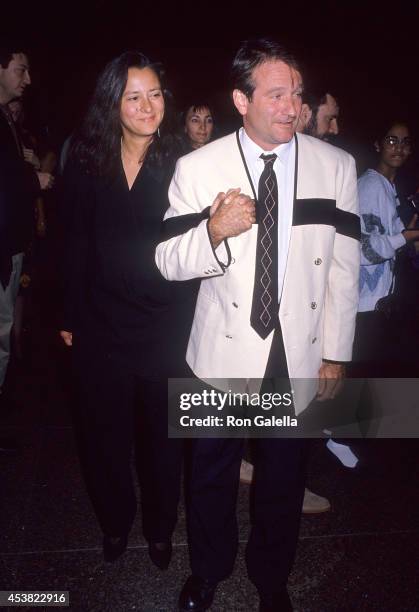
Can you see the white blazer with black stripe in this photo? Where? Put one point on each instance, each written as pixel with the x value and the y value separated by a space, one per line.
pixel 320 293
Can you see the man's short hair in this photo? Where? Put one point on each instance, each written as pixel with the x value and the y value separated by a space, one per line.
pixel 314 99
pixel 253 53
pixel 8 49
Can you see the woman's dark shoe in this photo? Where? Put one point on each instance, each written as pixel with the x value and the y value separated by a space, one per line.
pixel 197 594
pixel 114 547
pixel 160 553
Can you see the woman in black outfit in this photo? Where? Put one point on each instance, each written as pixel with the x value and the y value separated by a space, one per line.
pixel 118 313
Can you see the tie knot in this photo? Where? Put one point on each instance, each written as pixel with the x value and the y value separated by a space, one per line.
pixel 268 159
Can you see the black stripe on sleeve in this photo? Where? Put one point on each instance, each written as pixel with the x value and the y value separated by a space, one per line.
pixel 176 226
pixel 314 211
pixel 348 224
pixel 322 211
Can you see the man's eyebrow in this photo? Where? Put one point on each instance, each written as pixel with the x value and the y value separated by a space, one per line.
pixel 281 89
pixel 276 89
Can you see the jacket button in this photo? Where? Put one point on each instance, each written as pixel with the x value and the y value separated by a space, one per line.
pixel 314 340
pixel 229 337
pixel 313 305
pixel 317 261
pixel 235 305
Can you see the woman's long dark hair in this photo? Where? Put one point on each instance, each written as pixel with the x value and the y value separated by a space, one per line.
pixel 96 146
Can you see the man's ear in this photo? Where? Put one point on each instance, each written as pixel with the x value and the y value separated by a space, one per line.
pixel 240 101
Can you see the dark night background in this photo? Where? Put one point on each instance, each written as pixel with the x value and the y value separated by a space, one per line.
pixel 366 54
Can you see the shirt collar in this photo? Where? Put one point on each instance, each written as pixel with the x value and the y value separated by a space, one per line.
pixel 253 151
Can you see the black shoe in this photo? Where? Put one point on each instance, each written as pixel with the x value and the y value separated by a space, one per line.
pixel 160 553
pixel 197 594
pixel 277 602
pixel 114 547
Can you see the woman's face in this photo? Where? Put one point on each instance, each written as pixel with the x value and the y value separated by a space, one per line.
pixel 142 104
pixel 198 126
pixel 395 147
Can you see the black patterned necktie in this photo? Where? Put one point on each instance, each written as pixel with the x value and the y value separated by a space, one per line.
pixel 264 316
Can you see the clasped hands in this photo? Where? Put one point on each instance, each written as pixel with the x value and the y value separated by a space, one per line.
pixel 231 214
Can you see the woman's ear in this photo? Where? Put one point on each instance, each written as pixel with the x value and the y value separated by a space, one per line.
pixel 377 146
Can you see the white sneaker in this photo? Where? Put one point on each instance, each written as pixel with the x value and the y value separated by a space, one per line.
pixel 343 452
pixel 314 504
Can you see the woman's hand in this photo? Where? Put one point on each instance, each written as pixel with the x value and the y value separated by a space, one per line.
pixel 67 337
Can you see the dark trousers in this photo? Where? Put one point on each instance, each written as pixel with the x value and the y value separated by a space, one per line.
pixel 376 347
pixel 276 501
pixel 118 410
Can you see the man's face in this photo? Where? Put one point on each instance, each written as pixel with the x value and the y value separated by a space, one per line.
pixel 270 117
pixel 14 78
pixel 327 119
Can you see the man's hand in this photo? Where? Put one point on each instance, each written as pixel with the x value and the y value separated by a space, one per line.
pixel 331 376
pixel 46 180
pixel 231 214
pixel 67 337
pixel 30 157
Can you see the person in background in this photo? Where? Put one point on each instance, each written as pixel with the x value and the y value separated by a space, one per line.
pixel 20 183
pixel 44 163
pixel 383 234
pixel 118 316
pixel 197 125
pixel 319 115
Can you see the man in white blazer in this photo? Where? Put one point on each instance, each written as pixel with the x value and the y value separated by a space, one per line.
pixel 316 282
